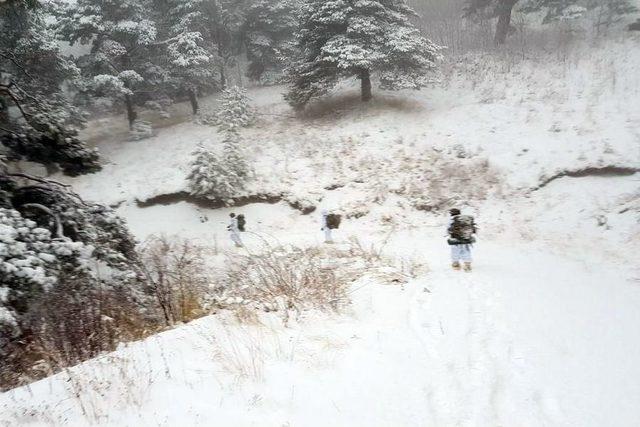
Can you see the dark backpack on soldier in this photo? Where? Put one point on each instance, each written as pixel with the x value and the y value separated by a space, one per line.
pixel 461 230
pixel 333 221
pixel 241 223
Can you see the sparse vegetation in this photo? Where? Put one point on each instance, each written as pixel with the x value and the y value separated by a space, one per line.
pixel 176 271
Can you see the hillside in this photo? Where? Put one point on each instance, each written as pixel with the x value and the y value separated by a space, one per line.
pixel 545 154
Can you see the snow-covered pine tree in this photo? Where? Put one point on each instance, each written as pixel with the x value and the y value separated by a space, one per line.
pixel 346 38
pixel 219 24
pixel 555 9
pixel 190 55
pixel 235 158
pixel 608 11
pixel 123 39
pixel 222 177
pixel 233 111
pixel 218 177
pixel 269 28
pixel 49 237
pixel 37 121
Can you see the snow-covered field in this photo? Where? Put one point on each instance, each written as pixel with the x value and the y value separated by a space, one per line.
pixel 544 332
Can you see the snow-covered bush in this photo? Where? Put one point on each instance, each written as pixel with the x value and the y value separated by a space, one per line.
pixel 292 279
pixel 30 261
pixel 55 247
pixel 220 177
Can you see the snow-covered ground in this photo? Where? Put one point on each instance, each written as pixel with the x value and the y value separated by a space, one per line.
pixel 544 332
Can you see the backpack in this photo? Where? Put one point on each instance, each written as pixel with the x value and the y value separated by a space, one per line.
pixel 333 221
pixel 462 229
pixel 241 223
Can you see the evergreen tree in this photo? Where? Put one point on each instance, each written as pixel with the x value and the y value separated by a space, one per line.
pixel 555 9
pixel 221 177
pixel 123 39
pixel 233 111
pixel 234 157
pixel 49 237
pixel 37 121
pixel 189 58
pixel 347 38
pixel 269 27
pixel 219 24
pixel 609 11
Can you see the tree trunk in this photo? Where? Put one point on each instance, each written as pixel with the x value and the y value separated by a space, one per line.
pixel 193 99
pixel 365 85
pixel 131 112
pixel 223 78
pixel 503 9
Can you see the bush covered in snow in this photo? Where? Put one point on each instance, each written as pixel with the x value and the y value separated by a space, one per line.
pixel 30 261
pixel 51 242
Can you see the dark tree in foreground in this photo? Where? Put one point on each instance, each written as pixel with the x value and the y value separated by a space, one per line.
pixel 36 119
pixel 67 268
pixel 350 38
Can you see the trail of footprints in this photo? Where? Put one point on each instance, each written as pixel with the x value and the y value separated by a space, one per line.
pixel 476 378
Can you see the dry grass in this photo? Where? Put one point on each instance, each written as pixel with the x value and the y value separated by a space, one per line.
pixel 290 280
pixel 283 279
pixel 176 271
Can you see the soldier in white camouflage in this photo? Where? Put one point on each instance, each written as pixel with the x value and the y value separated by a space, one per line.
pixel 461 231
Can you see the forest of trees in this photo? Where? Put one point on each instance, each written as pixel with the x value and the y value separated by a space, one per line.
pixel 135 54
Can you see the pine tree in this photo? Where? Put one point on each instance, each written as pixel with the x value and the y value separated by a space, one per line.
pixel 123 39
pixel 347 38
pixel 269 27
pixel 219 177
pixel 49 236
pixel 234 157
pixel 609 11
pixel 32 72
pixel 233 111
pixel 218 23
pixel 190 57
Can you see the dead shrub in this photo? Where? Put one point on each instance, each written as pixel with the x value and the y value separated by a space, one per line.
pixel 71 323
pixel 283 279
pixel 291 279
pixel 176 272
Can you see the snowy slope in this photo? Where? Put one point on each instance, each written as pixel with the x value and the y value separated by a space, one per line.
pixel 529 339
pixel 542 333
